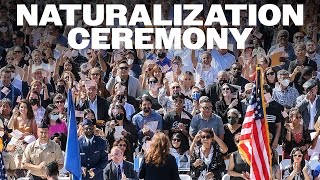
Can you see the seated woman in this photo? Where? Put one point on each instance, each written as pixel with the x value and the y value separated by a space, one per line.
pixel 23 119
pixel 206 159
pixel 238 166
pixel 295 134
pixel 180 150
pixel 51 117
pixel 298 169
pixel 227 102
pixel 118 118
pixel 231 129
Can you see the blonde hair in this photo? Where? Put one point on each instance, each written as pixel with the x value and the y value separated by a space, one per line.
pixel 159 149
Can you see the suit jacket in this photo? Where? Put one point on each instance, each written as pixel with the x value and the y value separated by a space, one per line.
pixel 303 106
pixel 102 108
pixel 213 92
pixel 134 87
pixel 93 156
pixel 110 172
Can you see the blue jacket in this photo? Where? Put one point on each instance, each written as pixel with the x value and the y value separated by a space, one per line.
pixel 94 156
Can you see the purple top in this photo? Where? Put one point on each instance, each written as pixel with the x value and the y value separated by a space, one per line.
pixel 58 128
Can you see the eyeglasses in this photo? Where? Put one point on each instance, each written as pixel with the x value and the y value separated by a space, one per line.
pixel 60 102
pixel 123 68
pixel 122 145
pixel 177 140
pixel 54 113
pixel 225 89
pixel 206 137
pixel 298 155
pixel 270 74
pixel 153 82
pixel 176 63
pixel 207 108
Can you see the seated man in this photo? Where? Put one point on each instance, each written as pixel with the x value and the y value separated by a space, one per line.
pixel 119 168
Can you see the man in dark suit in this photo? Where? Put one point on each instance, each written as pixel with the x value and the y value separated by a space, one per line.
pixel 214 90
pixel 309 104
pixel 118 168
pixel 94 157
pixel 95 102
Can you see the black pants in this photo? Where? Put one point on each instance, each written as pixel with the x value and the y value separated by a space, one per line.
pixel 33 177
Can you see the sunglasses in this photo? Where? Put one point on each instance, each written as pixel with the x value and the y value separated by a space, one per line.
pixel 270 74
pixel 177 140
pixel 122 145
pixel 123 68
pixel 207 108
pixel 206 137
pixel 298 155
pixel 60 102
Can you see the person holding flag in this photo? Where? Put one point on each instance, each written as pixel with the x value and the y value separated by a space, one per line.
pixel 254 143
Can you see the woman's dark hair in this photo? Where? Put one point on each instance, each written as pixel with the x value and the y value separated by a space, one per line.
pixel 117 142
pixel 62 138
pixel 208 131
pixel 36 93
pixel 46 115
pixel 74 69
pixel 30 113
pixel 220 92
pixel 183 145
pixel 275 74
pixel 119 106
pixel 153 78
pixel 291 157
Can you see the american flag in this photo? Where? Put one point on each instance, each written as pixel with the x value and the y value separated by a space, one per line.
pixel 254 139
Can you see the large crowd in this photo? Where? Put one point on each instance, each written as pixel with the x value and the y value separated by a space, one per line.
pixel 154 114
